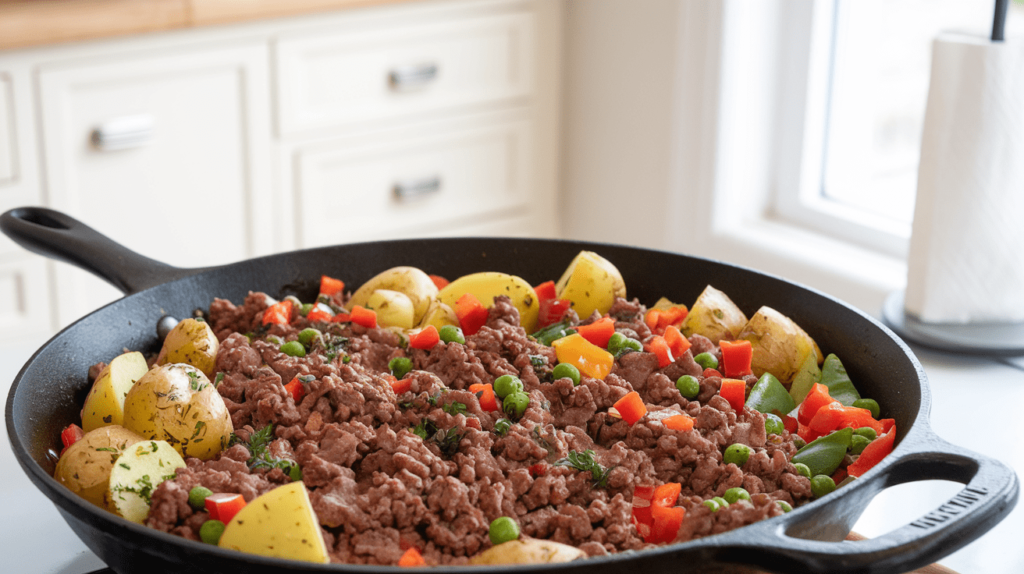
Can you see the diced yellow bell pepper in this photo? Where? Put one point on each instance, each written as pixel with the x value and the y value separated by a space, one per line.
pixel 590 359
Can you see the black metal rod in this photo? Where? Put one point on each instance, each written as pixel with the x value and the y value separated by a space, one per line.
pixel 999 20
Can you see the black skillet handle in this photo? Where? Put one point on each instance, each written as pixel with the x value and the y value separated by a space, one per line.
pixel 59 236
pixel 991 492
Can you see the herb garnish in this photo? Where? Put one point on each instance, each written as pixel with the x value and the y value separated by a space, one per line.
pixel 447 441
pixel 259 454
pixel 502 426
pixel 454 408
pixel 584 462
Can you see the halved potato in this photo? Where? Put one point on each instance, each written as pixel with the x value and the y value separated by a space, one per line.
pixel 591 283
pixel 489 284
pixel 280 523
pixel 416 284
pixel 137 473
pixel 780 346
pixel 439 315
pixel 393 308
pixel 193 342
pixel 178 404
pixel 714 316
pixel 85 466
pixel 104 405
pixel 528 551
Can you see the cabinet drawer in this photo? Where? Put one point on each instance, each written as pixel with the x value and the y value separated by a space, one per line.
pixel 345 78
pixel 414 186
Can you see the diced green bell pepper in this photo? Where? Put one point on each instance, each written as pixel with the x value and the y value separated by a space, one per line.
pixel 840 387
pixel 824 455
pixel 769 396
pixel 552 333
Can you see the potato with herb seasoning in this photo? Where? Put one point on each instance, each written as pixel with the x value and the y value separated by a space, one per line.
pixel 136 474
pixel 104 405
pixel 714 316
pixel 85 466
pixel 779 346
pixel 528 551
pixel 178 404
pixel 191 341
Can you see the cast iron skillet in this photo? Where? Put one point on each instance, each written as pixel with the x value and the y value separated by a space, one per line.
pixel 49 390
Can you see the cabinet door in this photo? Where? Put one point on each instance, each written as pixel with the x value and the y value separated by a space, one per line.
pixel 167 154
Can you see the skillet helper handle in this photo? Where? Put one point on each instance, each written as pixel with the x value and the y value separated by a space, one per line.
pixel 59 236
pixel 991 492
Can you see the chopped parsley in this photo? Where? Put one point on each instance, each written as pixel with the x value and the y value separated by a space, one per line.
pixel 502 426
pixel 454 408
pixel 584 462
pixel 447 441
pixel 260 456
pixel 538 361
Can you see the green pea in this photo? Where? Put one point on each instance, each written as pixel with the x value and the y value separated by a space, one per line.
pixel 736 454
pixel 822 485
pixel 869 404
pixel 799 443
pixel 305 309
pixel 736 493
pixel 515 404
pixel 307 336
pixel 784 505
pixel 211 531
pixel 400 366
pixel 706 361
pixel 633 344
pixel 503 529
pixel 197 497
pixel 866 432
pixel 616 342
pixel 452 334
pixel 688 386
pixel 858 443
pixel 722 503
pixel 293 349
pixel 803 470
pixel 712 505
pixel 566 371
pixel 773 424
pixel 505 385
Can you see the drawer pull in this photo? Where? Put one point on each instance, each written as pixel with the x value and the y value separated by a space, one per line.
pixel 412 77
pixel 412 189
pixel 123 133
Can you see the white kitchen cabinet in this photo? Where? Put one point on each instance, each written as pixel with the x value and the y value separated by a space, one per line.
pixel 167 154
pixel 205 146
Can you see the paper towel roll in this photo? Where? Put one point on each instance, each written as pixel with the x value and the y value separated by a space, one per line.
pixel 966 262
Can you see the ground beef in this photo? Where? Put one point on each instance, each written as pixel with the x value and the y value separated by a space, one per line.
pixel 431 467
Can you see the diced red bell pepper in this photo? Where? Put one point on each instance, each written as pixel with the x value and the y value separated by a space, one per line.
pixel 550 309
pixel 736 357
pixel 365 317
pixel 320 312
pixel 651 319
pixel 631 407
pixel 279 313
pixel 665 523
pixel 887 425
pixel 296 388
pixel 224 506
pixel 835 416
pixel 425 339
pixel 839 475
pixel 655 515
pixel 678 422
pixel 677 343
pixel 666 494
pixel 711 373
pixel 439 282
pixel 598 332
pixel 660 347
pixel 806 433
pixel 790 423
pixel 401 387
pixel 485 394
pixel 734 391
pixel 873 454
pixel 70 435
pixel 471 313
pixel 411 559
pixel 538 469
pixel 658 320
pixel 330 286
pixel 817 398
pixel 341 318
pixel 642 496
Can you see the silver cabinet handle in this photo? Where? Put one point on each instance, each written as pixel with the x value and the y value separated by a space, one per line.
pixel 411 77
pixel 410 189
pixel 123 133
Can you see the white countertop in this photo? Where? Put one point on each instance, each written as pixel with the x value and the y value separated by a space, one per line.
pixel 977 404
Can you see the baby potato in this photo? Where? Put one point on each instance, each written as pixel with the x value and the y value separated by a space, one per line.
pixel 439 315
pixel 85 466
pixel 416 284
pixel 393 308
pixel 191 341
pixel 714 316
pixel 528 551
pixel 591 283
pixel 487 285
pixel 178 404
pixel 139 470
pixel 104 405
pixel 779 345
pixel 280 523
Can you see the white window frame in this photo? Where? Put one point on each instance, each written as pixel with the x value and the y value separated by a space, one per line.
pixel 734 99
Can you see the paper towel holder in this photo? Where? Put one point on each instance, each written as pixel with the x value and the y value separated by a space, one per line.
pixel 989 339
